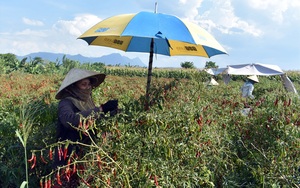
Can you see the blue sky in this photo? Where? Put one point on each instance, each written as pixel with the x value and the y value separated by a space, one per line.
pixel 251 31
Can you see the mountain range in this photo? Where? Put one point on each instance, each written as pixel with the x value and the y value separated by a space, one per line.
pixel 111 59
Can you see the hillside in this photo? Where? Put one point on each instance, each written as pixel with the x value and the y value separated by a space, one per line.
pixel 111 59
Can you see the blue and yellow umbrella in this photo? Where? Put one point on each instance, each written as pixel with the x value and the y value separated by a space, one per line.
pixel 153 33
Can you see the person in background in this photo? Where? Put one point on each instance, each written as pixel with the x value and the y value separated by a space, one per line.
pixel 248 86
pixel 75 95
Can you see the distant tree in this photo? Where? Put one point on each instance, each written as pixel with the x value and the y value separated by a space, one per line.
pixel 210 64
pixel 9 57
pixel 35 66
pixel 23 61
pixel 68 64
pixel 187 65
pixel 97 66
pixel 10 63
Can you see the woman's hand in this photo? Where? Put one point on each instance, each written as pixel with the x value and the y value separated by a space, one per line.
pixel 110 106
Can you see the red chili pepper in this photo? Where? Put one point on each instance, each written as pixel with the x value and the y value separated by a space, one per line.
pixel 257 103
pixel 50 154
pixel 151 176
pixel 81 168
pixel 115 172
pixel 60 153
pixel 68 175
pixel 290 101
pixel 86 183
pixel 276 102
pixel 199 122
pixel 41 183
pixel 49 183
pixel 209 122
pixel 68 171
pixel 155 180
pixel 33 162
pixel 99 162
pixel 46 183
pixel 75 156
pixel 32 157
pixel 42 158
pixel 108 181
pixel 115 156
pixel 85 133
pixel 74 169
pixel 65 152
pixel 86 125
pixel 118 133
pixel 58 178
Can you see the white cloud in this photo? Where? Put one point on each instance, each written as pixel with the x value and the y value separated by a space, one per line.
pixel 180 8
pixel 32 22
pixel 222 17
pixel 31 33
pixel 189 8
pixel 24 47
pixel 61 38
pixel 277 9
pixel 219 16
pixel 78 25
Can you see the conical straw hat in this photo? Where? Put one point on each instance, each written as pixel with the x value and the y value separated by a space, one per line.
pixel 213 82
pixel 253 78
pixel 75 75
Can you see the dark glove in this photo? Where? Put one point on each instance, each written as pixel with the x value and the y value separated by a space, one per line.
pixel 110 105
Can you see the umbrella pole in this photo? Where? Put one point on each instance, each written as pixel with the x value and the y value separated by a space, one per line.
pixel 149 74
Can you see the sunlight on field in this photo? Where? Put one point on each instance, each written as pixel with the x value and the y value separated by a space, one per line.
pixel 193 134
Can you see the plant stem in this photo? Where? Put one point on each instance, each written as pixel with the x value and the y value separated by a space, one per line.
pixel 26 165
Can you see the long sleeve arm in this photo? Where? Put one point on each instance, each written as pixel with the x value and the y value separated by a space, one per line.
pixel 69 114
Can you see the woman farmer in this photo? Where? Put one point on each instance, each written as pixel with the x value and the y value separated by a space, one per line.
pixel 76 103
pixel 248 86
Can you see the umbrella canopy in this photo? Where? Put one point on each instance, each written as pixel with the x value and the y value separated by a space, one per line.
pixel 254 69
pixel 153 33
pixel 248 69
pixel 172 36
pixel 215 71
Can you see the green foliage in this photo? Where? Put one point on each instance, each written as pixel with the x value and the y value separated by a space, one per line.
pixel 187 65
pixel 69 64
pixel 35 124
pixel 9 63
pixel 210 64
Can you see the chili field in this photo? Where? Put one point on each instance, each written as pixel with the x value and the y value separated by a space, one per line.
pixel 193 135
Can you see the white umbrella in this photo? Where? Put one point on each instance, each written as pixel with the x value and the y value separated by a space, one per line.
pixel 248 69
pixel 254 69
